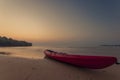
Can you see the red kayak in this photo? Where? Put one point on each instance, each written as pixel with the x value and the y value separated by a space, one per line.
pixel 91 62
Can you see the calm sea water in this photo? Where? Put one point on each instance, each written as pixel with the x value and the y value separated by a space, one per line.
pixel 37 51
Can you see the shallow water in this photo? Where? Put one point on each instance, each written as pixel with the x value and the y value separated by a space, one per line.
pixel 37 51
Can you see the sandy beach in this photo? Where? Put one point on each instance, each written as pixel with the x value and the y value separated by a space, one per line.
pixel 16 68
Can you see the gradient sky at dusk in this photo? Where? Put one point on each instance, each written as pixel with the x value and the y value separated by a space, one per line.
pixel 68 22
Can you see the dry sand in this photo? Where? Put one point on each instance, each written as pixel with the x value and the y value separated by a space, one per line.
pixel 14 68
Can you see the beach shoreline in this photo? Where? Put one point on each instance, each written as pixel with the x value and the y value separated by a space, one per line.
pixel 16 68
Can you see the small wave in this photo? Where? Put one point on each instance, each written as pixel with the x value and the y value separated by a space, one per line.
pixel 5 53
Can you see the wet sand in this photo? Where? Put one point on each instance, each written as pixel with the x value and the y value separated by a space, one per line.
pixel 16 68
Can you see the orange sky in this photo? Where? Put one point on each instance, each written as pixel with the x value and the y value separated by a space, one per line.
pixel 45 25
pixel 58 21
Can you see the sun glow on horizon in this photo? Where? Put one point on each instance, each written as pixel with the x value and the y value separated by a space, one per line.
pixel 18 23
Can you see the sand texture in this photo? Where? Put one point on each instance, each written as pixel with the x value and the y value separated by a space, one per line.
pixel 14 68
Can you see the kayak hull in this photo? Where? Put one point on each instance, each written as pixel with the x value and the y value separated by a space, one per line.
pixel 91 62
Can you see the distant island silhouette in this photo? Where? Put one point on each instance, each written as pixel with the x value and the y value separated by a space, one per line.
pixel 111 45
pixel 9 42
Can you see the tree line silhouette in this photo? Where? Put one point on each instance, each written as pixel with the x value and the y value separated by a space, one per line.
pixel 4 41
